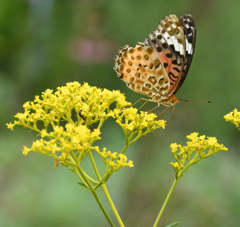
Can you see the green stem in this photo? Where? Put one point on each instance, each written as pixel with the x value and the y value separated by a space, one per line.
pixel 105 191
pixel 101 123
pixel 76 169
pixel 79 174
pixel 165 203
pixel 190 162
pixel 102 208
pixel 108 197
pixel 90 178
pixel 94 166
pixel 128 141
pixel 124 149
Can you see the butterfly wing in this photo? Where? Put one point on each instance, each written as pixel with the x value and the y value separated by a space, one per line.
pixel 168 42
pixel 189 28
pixel 174 42
pixel 158 66
pixel 142 71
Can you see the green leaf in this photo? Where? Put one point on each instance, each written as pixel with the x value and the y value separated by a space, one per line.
pixel 173 224
pixel 81 184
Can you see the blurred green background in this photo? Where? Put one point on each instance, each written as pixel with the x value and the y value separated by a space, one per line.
pixel 44 44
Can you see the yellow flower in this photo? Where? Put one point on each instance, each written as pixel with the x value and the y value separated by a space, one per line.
pixel 211 141
pixel 10 126
pixel 174 147
pixel 69 122
pixel 132 122
pixel 233 117
pixel 26 150
pixel 113 161
pixel 194 151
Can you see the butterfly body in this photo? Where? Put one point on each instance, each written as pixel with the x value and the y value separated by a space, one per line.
pixel 158 66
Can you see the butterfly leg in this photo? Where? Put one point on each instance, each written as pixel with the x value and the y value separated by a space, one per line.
pixel 154 108
pixel 164 111
pixel 158 107
pixel 146 101
pixel 172 115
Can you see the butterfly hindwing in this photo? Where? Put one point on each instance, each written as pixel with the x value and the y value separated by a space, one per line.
pixel 142 71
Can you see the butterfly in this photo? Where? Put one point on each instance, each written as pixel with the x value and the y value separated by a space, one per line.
pixel 158 66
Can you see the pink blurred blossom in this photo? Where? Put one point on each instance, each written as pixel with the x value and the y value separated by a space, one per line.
pixel 92 51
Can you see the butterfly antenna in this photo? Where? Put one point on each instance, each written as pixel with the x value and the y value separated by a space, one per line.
pixel 194 100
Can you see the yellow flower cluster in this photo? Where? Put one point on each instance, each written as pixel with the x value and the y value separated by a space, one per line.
pixel 233 117
pixel 194 151
pixel 69 122
pixel 65 144
pixel 135 125
pixel 73 103
pixel 130 120
pixel 113 161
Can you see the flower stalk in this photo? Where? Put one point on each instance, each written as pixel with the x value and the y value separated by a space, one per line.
pixel 165 203
pixel 197 148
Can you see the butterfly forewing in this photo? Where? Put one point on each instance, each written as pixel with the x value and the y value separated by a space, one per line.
pixel 189 28
pixel 168 41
